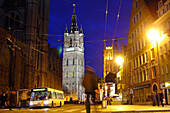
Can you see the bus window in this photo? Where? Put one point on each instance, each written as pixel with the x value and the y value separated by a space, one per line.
pixel 59 96
pixel 50 95
pixel 39 95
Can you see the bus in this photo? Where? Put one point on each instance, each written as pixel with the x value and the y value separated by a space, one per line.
pixel 46 97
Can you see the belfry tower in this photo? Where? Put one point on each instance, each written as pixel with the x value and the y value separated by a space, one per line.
pixel 109 58
pixel 73 61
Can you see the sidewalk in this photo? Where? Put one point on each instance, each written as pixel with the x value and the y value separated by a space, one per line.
pixel 134 108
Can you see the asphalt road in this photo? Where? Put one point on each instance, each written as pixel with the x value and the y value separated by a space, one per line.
pixel 72 108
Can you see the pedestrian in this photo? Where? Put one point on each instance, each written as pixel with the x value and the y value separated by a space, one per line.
pixel 161 97
pixel 24 99
pixel 4 99
pixel 154 98
pixel 90 84
pixel 157 98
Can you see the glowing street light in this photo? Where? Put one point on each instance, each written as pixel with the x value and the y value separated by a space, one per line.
pixel 119 60
pixel 153 35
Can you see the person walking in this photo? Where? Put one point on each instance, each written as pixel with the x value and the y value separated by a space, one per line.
pixel 161 97
pixel 90 84
pixel 4 99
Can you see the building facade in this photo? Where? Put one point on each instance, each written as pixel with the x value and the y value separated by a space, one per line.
pixel 162 24
pixel 26 60
pixel 141 63
pixel 73 61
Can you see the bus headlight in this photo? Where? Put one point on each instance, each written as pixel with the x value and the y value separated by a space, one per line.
pixel 31 103
pixel 46 102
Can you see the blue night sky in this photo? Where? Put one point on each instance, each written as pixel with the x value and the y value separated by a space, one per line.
pixel 91 15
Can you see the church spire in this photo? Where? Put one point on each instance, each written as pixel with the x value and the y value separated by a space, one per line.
pixel 74 26
pixel 81 30
pixel 66 30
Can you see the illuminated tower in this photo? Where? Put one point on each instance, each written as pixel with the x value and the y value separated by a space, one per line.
pixel 73 61
pixel 108 59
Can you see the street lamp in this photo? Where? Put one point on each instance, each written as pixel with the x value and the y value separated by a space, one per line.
pixel 119 60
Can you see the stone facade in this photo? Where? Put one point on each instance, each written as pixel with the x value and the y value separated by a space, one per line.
pixel 26 59
pixel 73 62
pixel 141 64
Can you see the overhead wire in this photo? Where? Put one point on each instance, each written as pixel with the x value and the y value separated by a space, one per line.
pixel 118 15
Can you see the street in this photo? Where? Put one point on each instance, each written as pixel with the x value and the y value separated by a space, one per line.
pixel 72 108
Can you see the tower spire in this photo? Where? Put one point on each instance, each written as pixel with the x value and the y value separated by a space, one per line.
pixel 74 26
pixel 81 29
pixel 66 30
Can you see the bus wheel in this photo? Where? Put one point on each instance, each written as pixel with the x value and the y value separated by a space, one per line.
pixel 52 105
pixel 60 103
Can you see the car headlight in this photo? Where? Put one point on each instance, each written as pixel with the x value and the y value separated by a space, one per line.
pixel 46 102
pixel 31 103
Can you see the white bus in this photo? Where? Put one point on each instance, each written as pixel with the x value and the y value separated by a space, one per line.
pixel 46 97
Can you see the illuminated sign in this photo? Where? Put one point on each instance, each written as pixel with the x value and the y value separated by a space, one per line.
pixel 42 89
pixel 167 84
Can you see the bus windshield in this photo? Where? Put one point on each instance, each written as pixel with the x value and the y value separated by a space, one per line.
pixel 39 95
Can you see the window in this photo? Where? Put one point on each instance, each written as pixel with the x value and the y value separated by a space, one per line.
pixel 152 54
pixel 147 74
pixel 67 74
pixel 142 43
pixel 73 74
pixel 73 61
pixel 137 62
pixel 140 60
pixel 133 50
pixel 16 22
pixel 161 50
pixel 134 63
pixel 67 62
pixel 141 28
pixel 140 14
pixel 139 44
pixel 144 75
pixel 132 37
pixel 134 78
pixel 163 70
pixel 136 47
pixel 141 78
pixel 165 45
pixel 167 68
pixel 146 56
pixel 137 77
pixel 134 21
pixel 136 4
pixel 137 31
pixel 137 17
pixel 143 56
pixel 153 71
pixel 70 42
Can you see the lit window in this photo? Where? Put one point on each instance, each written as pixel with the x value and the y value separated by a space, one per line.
pixel 152 54
pixel 73 74
pixel 67 74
